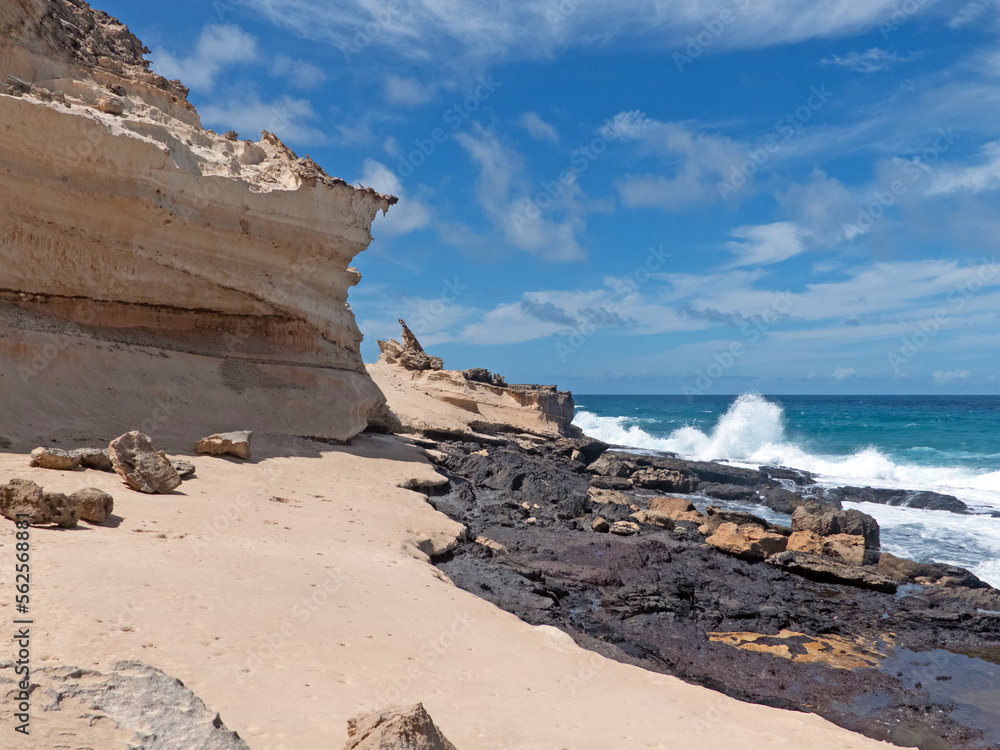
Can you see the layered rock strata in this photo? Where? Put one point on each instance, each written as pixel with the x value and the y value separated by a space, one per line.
pixel 156 274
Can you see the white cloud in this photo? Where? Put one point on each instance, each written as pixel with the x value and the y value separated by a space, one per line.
pixel 870 61
pixel 218 47
pixel 941 377
pixel 844 373
pixel 299 73
pixel 464 30
pixel 765 244
pixel 408 92
pixel 285 117
pixel 538 128
pixel 508 201
pixel 406 216
pixel 700 161
pixel 971 12
pixel 976 179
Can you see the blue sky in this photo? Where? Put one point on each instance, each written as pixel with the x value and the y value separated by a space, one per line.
pixel 655 196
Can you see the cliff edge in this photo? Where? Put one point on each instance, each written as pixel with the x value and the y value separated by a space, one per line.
pixel 157 275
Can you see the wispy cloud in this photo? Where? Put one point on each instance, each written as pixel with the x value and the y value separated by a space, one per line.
pixel 409 215
pixel 408 92
pixel 299 73
pixel 870 61
pixel 218 47
pixel 286 117
pixel 765 244
pixel 537 127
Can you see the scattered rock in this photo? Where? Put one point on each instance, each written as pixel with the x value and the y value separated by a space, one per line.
pixel 624 528
pixel 63 511
pixel 845 547
pixel 396 728
pixel 608 497
pixel 531 521
pixel 95 505
pixel 94 458
pixel 54 458
pixel 111 105
pixel 827 570
pixel 226 443
pixel 183 468
pixel 22 497
pixel 481 375
pixel 143 468
pixel 600 525
pixel 748 541
pixel 823 521
pixel 677 508
pixel 654 518
pixel 494 548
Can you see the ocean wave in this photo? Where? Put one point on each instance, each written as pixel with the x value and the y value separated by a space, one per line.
pixel 752 433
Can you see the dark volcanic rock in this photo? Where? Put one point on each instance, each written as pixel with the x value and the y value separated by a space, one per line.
pixel 797 476
pixel 907 571
pixel 727 491
pixel 828 570
pixel 905 498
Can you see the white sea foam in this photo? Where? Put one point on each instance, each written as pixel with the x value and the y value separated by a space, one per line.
pixel 752 432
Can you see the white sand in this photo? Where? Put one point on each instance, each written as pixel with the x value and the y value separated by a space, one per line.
pixel 288 618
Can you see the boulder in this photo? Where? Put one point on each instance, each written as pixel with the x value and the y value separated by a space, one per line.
pixel 226 443
pixel 624 528
pixel 183 468
pixel 396 728
pixel 95 505
pixel 908 571
pixel 54 458
pixel 716 517
pixel 63 510
pixel 780 500
pixel 664 480
pixel 677 508
pixel 613 465
pixel 111 105
pixel 824 521
pixel 608 497
pixel 727 491
pixel 654 518
pixel 749 541
pixel 20 496
pixel 600 525
pixel 142 468
pixel 94 458
pixel 846 547
pixel 828 570
pixel 622 484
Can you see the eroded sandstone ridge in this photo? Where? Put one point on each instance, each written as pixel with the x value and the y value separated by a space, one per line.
pixel 155 274
pixel 427 398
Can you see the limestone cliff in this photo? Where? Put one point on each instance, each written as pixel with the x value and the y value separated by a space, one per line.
pixel 426 398
pixel 154 274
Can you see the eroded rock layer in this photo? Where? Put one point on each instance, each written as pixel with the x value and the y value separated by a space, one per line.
pixel 156 272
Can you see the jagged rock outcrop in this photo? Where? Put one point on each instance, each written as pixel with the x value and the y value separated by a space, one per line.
pixel 429 399
pixel 134 706
pixel 226 444
pixel 143 468
pixel 396 728
pixel 157 274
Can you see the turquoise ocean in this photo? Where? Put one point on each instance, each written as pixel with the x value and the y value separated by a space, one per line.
pixel 948 444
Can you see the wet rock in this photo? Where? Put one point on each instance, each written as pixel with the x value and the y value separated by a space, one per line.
pixel 828 570
pixel 95 505
pixel 797 476
pixel 396 728
pixel 904 498
pixel 143 468
pixel 226 444
pixel 781 500
pixel 54 458
pixel 749 541
pixel 908 571
pixel 600 525
pixel 824 521
pixel 727 491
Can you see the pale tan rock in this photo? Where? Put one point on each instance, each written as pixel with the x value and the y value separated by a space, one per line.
pixel 226 444
pixel 494 548
pixel 210 276
pixel 747 541
pixel 54 458
pixel 143 468
pixel 608 497
pixel 396 728
pixel 654 518
pixel 600 525
pixel 624 528
pixel 64 511
pixel 677 508
pixel 20 496
pixel 95 505
pixel 846 547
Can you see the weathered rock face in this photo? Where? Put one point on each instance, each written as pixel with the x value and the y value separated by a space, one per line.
pixel 396 728
pixel 142 468
pixel 95 505
pixel 226 444
pixel 157 274
pixel 427 398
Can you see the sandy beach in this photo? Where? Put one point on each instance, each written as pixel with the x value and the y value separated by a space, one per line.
pixel 291 593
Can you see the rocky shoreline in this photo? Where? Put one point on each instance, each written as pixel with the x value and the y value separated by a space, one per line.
pixel 811 617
